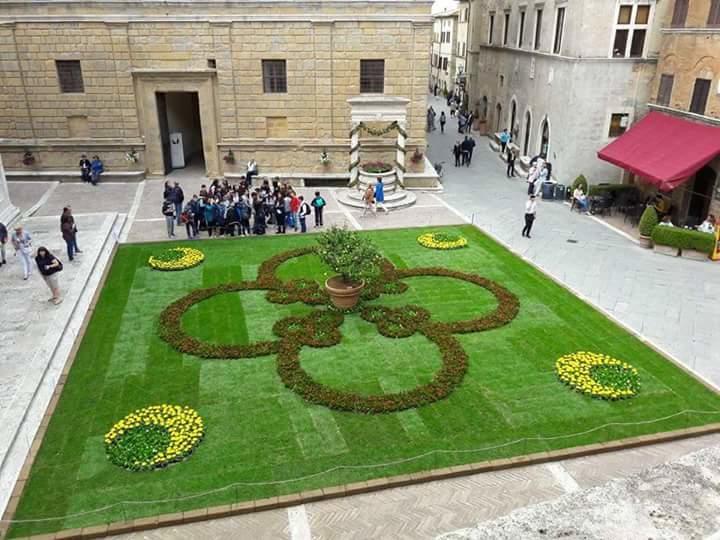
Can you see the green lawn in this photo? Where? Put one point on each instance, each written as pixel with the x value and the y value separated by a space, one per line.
pixel 261 435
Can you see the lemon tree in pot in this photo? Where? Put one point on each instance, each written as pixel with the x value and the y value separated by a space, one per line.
pixel 355 260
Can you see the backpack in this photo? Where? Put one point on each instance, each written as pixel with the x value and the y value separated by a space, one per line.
pixel 319 202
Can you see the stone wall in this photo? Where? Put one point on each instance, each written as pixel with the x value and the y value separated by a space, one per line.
pixel 129 51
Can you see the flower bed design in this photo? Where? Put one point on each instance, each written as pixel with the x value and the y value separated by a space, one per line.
pixel 598 375
pixel 442 241
pixel 154 437
pixel 179 258
pixel 321 328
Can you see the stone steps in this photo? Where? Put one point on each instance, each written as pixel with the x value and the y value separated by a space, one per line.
pixel 393 201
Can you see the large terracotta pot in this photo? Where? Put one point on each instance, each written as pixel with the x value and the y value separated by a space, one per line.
pixel 342 294
pixel 646 241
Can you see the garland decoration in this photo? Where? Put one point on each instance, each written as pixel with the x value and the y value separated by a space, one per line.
pixel 393 126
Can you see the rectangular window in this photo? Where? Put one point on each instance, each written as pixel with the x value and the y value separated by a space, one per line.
pixel 506 28
pixel 620 43
pixel 665 89
pixel 700 96
pixel 618 124
pixel 625 14
pixel 714 15
pixel 680 13
pixel 643 15
pixel 70 76
pixel 491 28
pixel 445 64
pixel 638 43
pixel 274 76
pixel 521 30
pixel 538 28
pixel 631 31
pixel 372 76
pixel 559 27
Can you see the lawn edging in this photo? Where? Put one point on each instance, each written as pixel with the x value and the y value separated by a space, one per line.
pixel 368 486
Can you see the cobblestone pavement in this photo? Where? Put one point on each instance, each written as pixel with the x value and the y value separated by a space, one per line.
pixel 673 302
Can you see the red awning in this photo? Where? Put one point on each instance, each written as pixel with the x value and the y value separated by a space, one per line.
pixel 664 150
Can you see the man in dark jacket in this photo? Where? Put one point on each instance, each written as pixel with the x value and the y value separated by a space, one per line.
pixel 177 197
pixel 468 147
pixel 3 241
pixel 84 168
pixel 69 232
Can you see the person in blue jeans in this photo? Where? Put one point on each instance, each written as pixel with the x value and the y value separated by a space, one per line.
pixel 96 169
pixel 303 213
pixel 380 195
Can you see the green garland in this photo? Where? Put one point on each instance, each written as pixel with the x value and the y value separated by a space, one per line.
pixel 393 126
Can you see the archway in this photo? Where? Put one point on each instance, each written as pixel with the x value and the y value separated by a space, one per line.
pixel 528 128
pixel 498 117
pixel 700 196
pixel 545 137
pixel 484 108
pixel 513 117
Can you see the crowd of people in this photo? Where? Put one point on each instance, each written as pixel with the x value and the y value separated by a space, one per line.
pixel 226 210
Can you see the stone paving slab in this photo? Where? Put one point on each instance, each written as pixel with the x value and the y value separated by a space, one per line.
pixel 24 195
pixel 86 198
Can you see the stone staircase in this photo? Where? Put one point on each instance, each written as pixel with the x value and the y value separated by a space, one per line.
pixel 396 196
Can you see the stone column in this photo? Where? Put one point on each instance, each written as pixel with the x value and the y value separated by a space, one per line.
pixel 8 212
pixel 354 154
pixel 400 154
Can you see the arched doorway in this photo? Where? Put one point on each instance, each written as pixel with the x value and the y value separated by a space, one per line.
pixel 513 116
pixel 484 108
pixel 498 117
pixel 700 196
pixel 528 128
pixel 545 137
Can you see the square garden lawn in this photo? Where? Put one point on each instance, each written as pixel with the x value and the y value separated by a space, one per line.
pixel 262 439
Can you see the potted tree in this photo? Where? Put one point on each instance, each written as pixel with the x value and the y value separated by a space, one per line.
pixel 648 221
pixel 354 258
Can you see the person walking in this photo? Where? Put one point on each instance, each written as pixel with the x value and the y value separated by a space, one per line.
pixel 443 120
pixel 530 211
pixel 71 234
pixel 318 203
pixel 168 210
pixel 177 197
pixel 380 195
pixel 457 153
pixel 22 242
pixel 3 241
pixel 96 169
pixel 469 143
pixel 453 108
pixel 84 168
pixel 49 267
pixel 504 139
pixel 369 200
pixel 303 213
pixel 510 163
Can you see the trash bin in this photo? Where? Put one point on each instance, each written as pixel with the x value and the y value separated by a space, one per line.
pixel 548 191
pixel 560 190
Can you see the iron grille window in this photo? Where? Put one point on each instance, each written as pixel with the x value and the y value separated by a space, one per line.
pixel 372 76
pixel 680 13
pixel 274 76
pixel 665 89
pixel 70 76
pixel 700 96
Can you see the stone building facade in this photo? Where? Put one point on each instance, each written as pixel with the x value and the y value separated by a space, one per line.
pixel 564 77
pixel 443 56
pixel 268 79
pixel 687 84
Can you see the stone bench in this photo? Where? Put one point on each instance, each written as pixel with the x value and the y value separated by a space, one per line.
pixel 73 176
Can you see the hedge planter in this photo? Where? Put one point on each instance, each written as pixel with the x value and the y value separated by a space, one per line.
pixel 343 295
pixel 666 250
pixel 695 255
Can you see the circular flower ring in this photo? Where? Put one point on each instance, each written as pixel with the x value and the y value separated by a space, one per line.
pixel 598 375
pixel 179 258
pixel 442 241
pixel 154 437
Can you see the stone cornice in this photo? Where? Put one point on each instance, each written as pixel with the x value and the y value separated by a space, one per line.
pixel 415 19
pixel 695 30
pixel 685 114
pixel 172 73
pixel 550 56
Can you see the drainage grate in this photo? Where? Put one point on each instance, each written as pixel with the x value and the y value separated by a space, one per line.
pixel 571 241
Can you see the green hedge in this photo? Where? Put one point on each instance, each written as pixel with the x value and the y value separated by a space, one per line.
pixel 648 221
pixel 599 189
pixel 684 239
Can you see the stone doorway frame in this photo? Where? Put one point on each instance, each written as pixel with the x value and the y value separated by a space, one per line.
pixel 378 109
pixel 149 82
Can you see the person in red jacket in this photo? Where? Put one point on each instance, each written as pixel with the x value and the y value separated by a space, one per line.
pixel 295 209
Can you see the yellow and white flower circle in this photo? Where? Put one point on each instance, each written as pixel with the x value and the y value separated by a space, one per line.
pixel 436 241
pixel 179 258
pixel 579 370
pixel 184 427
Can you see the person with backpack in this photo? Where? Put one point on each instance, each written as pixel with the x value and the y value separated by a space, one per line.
pixel 318 203
pixel 303 213
pixel 49 266
pixel 168 210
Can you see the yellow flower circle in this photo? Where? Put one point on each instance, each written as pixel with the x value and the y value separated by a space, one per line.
pixel 598 375
pixel 442 241
pixel 154 437
pixel 179 258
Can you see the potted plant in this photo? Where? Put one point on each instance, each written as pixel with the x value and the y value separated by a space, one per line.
pixel 417 156
pixel 376 167
pixel 229 158
pixel 648 221
pixel 354 258
pixel 28 159
pixel 324 158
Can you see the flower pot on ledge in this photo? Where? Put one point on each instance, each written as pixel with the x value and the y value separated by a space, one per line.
pixel 343 295
pixel 645 241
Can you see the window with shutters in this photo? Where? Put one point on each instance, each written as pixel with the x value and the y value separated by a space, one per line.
pixel 559 29
pixel 70 76
pixel 372 76
pixel 714 15
pixel 665 89
pixel 631 28
pixel 491 28
pixel 521 30
pixel 680 12
pixel 618 124
pixel 538 28
pixel 700 96
pixel 274 76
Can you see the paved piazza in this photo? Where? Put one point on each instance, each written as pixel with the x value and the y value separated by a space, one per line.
pixel 670 302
